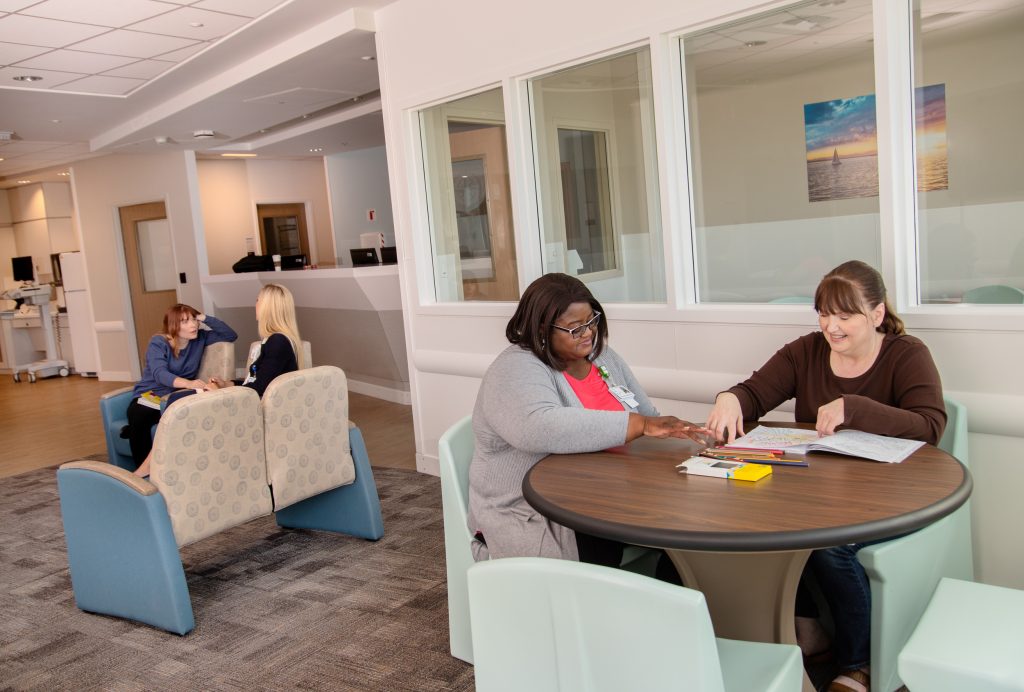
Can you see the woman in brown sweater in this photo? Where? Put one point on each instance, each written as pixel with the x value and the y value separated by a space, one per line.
pixel 860 371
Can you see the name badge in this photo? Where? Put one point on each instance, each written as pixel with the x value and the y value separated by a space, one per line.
pixel 624 395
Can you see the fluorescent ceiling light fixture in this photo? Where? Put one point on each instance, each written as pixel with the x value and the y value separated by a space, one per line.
pixel 27 78
pixel 239 156
pixel 24 181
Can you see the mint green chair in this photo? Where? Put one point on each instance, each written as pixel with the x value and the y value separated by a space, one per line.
pixel 994 294
pixel 904 572
pixel 544 625
pixel 455 452
pixel 971 637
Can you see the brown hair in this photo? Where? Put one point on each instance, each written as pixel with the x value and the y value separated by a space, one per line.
pixel 855 288
pixel 172 322
pixel 542 303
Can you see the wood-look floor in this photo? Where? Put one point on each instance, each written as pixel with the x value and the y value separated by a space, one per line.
pixel 58 419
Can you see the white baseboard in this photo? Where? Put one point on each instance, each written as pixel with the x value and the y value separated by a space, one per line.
pixel 115 376
pixel 428 464
pixel 397 396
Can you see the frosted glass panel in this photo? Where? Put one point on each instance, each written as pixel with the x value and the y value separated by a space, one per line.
pixel 597 177
pixel 970 155
pixel 781 118
pixel 156 255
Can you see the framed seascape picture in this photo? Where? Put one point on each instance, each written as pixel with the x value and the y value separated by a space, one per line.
pixel 840 137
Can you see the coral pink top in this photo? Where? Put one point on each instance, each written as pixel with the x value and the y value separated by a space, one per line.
pixel 592 391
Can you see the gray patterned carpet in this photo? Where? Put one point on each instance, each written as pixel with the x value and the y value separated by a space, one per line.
pixel 275 609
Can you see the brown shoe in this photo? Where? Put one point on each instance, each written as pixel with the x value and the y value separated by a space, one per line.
pixel 852 681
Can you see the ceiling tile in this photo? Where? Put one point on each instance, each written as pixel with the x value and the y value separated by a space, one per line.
pixel 14 5
pixel 180 22
pixel 143 69
pixel 112 13
pixel 75 61
pixel 135 44
pixel 44 32
pixel 50 79
pixel 101 84
pixel 245 8
pixel 13 52
pixel 182 54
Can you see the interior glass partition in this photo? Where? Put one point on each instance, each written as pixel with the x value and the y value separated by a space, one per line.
pixel 970 154
pixel 597 180
pixel 469 199
pixel 781 131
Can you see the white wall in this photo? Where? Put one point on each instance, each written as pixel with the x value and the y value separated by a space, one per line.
pixel 358 181
pixel 682 354
pixel 229 216
pixel 230 190
pixel 275 182
pixel 101 186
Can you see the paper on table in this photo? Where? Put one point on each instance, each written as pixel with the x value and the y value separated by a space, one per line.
pixel 850 442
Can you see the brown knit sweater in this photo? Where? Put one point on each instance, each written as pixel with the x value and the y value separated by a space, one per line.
pixel 900 395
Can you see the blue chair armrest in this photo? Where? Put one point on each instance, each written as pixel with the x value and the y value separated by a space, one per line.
pixel 114 413
pixel 123 559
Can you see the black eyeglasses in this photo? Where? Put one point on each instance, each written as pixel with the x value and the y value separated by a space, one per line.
pixel 577 332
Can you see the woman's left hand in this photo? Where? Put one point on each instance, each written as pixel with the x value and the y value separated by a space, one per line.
pixel 670 426
pixel 830 416
pixel 217 383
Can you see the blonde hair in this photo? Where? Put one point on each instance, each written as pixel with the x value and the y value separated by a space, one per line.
pixel 275 314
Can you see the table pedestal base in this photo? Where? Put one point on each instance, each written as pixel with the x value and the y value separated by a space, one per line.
pixel 750 595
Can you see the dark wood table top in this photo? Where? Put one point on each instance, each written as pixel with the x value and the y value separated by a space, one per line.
pixel 635 494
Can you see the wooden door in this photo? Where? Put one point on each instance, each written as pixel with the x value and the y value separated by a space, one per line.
pixel 149 260
pixel 484 213
pixel 283 229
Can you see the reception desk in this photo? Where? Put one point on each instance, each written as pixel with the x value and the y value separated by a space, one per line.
pixel 352 318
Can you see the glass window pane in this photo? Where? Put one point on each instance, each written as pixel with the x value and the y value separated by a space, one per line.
pixel 154 252
pixel 468 199
pixel 969 96
pixel 782 140
pixel 597 177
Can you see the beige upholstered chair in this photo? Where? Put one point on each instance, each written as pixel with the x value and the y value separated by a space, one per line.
pixel 307 434
pixel 218 359
pixel 209 463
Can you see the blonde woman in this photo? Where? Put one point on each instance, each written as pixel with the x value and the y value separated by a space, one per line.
pixel 280 349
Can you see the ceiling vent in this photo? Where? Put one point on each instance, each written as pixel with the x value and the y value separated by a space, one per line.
pixel 203 134
pixel 6 135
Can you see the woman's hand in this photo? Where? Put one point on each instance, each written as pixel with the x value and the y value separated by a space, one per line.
pixel 217 383
pixel 830 416
pixel 182 383
pixel 726 419
pixel 670 426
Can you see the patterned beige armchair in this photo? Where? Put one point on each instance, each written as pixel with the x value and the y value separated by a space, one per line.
pixel 215 457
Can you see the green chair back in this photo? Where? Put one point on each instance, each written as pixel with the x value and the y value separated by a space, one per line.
pixel 544 625
pixel 994 294
pixel 455 452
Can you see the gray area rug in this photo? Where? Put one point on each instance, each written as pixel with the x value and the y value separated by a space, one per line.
pixel 275 609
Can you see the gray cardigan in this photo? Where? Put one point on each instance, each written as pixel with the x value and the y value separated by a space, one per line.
pixel 524 411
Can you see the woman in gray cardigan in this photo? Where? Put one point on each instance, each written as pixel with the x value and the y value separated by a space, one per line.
pixel 558 389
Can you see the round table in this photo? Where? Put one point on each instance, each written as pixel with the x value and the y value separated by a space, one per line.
pixel 744 544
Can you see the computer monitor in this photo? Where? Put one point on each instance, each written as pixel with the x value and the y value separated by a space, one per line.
pixel 21 268
pixel 389 255
pixel 363 256
pixel 293 262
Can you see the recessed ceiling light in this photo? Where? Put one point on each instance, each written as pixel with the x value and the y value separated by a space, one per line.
pixel 1 158
pixel 55 120
pixel 368 57
pixel 64 173
pixel 195 25
pixel 24 181
pixel 316 149
pixel 239 156
pixel 754 44
pixel 27 78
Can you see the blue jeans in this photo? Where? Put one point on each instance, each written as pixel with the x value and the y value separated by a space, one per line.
pixel 845 586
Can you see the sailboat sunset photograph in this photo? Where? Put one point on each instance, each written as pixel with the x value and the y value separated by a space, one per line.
pixel 842 150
